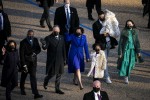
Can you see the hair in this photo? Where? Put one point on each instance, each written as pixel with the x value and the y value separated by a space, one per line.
pixel 9 42
pixel 82 30
pixel 96 44
pixel 131 22
pixel 30 31
pixel 101 12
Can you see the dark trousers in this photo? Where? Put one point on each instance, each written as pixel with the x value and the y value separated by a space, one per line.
pixel 57 81
pixel 2 42
pixel 97 4
pixel 46 15
pixel 149 21
pixel 10 86
pixel 33 80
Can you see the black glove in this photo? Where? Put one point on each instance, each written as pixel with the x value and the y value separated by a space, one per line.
pixel 43 41
pixel 25 69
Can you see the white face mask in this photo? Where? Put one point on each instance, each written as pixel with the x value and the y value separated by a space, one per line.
pixel 67 5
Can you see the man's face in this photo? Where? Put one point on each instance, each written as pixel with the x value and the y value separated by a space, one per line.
pixel 30 34
pixel 56 29
pixel 67 1
pixel 101 17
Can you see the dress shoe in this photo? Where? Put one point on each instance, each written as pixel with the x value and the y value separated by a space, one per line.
pixel 126 80
pixel 81 88
pixel 45 86
pixel 42 24
pixel 23 92
pixel 75 82
pixel 59 92
pixel 36 96
pixel 91 18
pixel 108 80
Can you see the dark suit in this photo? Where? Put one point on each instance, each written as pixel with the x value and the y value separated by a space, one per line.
pixel 60 19
pixel 26 58
pixel 90 5
pixel 146 10
pixel 55 58
pixel 46 4
pixel 91 96
pixel 6 32
pixel 100 38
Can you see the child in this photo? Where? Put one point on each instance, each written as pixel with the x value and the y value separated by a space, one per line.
pixel 98 64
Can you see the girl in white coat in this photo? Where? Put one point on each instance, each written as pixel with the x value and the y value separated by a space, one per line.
pixel 98 64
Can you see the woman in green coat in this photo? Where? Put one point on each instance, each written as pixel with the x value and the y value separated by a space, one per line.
pixel 128 49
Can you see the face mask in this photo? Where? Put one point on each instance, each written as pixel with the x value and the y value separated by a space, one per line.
pixel 12 47
pixel 30 37
pixel 78 34
pixel 96 89
pixel 129 27
pixel 97 51
pixel 102 19
pixel 56 33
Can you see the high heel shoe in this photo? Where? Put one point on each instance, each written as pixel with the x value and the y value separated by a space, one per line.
pixel 81 88
pixel 75 82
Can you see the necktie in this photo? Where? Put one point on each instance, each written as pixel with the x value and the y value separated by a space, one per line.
pixel 99 97
pixel 68 19
pixel 0 23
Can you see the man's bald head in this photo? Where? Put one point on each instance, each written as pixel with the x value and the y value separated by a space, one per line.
pixel 97 84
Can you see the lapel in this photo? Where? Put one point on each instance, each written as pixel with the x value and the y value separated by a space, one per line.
pixel 64 14
pixel 92 95
pixel 99 25
pixel 55 41
pixel 71 14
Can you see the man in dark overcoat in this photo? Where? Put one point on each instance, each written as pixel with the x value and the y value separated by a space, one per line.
pixel 46 4
pixel 29 49
pixel 90 5
pixel 146 10
pixel 55 45
pixel 5 29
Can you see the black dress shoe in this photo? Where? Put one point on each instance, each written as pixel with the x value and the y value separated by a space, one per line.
pixel 59 92
pixel 23 92
pixel 45 86
pixel 91 18
pixel 36 96
pixel 42 24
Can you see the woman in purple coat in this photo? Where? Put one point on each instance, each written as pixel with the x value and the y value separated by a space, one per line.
pixel 10 69
pixel 76 54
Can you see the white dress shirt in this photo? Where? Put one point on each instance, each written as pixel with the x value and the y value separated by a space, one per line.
pixel 2 20
pixel 95 94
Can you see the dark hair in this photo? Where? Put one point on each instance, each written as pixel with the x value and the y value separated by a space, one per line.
pixel 131 22
pixel 101 12
pixel 82 30
pixel 9 42
pixel 96 44
pixel 30 31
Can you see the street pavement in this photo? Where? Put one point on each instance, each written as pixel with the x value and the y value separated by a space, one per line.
pixel 25 15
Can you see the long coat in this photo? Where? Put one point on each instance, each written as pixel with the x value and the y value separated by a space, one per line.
pixel 10 68
pixel 98 64
pixel 60 19
pixel 56 55
pixel 49 2
pixel 77 49
pixel 124 39
pixel 26 51
pixel 91 96
pixel 7 28
pixel 100 38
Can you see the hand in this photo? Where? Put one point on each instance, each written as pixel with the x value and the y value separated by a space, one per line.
pixel 3 51
pixel 43 41
pixel 88 75
pixel 25 69
pixel 119 56
pixel 88 60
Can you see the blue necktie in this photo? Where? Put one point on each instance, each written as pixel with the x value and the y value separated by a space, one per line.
pixel 0 23
pixel 68 19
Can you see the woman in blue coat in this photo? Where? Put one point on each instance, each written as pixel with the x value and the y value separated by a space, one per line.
pixel 76 54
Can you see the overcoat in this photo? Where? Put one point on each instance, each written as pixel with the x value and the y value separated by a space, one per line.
pixel 56 55
pixel 10 68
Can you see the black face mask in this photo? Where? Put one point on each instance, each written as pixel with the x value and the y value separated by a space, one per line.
pixel 129 27
pixel 56 33
pixel 12 47
pixel 102 19
pixel 97 51
pixel 96 89
pixel 30 37
pixel 77 34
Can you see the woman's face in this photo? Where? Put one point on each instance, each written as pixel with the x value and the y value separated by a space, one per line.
pixel 12 45
pixel 129 24
pixel 78 32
